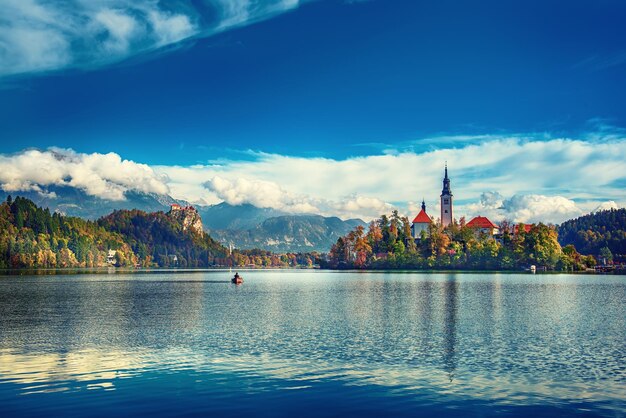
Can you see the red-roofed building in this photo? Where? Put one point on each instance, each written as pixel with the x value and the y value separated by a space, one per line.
pixel 526 227
pixel 420 223
pixel 482 225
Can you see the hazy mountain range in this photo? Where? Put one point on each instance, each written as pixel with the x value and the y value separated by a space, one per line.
pixel 245 226
pixel 292 233
pixel 74 202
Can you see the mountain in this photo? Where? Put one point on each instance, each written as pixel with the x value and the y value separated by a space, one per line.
pixel 291 233
pixel 241 217
pixel 245 226
pixel 74 202
pixel 590 233
pixel 164 235
pixel 32 237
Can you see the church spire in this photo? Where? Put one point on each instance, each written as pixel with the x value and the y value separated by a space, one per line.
pixel 446 200
pixel 423 205
pixel 446 183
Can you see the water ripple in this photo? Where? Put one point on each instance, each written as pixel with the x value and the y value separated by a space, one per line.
pixel 330 342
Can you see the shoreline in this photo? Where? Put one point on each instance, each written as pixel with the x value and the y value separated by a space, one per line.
pixel 157 270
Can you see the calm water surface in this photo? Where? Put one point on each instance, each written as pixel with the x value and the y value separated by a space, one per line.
pixel 311 343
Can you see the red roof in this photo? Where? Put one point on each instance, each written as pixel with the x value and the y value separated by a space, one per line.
pixel 527 228
pixel 481 222
pixel 422 218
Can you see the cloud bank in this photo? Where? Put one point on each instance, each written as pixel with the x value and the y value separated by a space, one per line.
pixel 543 180
pixel 103 175
pixel 260 193
pixel 48 35
pixel 267 194
pixel 531 208
pixel 513 178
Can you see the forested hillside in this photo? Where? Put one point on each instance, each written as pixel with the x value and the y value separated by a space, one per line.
pixel 32 237
pixel 159 237
pixel 596 233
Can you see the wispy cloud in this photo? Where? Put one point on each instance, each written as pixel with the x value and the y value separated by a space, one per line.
pixel 601 62
pixel 49 35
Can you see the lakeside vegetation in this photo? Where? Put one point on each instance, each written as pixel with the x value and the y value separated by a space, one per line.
pixel 602 233
pixel 388 244
pixel 32 237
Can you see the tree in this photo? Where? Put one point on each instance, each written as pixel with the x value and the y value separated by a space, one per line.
pixel 361 247
pixel 542 246
pixel 411 248
pixel 374 236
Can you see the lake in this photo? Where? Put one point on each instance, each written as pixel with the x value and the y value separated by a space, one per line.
pixel 312 343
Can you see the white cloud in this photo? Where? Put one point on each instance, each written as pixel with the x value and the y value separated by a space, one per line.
pixel 170 28
pixel 507 178
pixel 539 208
pixel 119 29
pixel 48 35
pixel 260 193
pixel 532 208
pixel 103 175
pixel 267 194
pixel 575 170
pixel 359 206
pixel 606 206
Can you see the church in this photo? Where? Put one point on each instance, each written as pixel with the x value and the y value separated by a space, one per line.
pixel 422 220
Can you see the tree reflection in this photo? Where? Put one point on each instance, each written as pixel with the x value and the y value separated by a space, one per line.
pixel 450 318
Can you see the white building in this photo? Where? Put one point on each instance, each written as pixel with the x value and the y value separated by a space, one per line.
pixel 420 223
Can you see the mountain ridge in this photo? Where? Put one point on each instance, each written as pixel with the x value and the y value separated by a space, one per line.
pixel 300 233
pixel 244 225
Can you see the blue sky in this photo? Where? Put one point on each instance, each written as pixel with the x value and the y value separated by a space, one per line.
pixel 171 86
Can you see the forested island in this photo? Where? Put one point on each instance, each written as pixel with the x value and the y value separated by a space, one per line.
pixel 388 244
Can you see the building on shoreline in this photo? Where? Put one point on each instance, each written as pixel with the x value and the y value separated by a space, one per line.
pixel 420 223
pixel 480 224
pixel 422 220
pixel 483 226
pixel 111 257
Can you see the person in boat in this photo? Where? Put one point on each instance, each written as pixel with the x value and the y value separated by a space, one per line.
pixel 237 276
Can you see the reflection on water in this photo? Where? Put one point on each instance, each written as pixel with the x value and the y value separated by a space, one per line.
pixel 450 307
pixel 348 343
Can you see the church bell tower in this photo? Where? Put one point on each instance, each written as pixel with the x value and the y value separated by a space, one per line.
pixel 446 200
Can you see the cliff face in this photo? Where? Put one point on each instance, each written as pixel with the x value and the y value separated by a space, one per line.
pixel 189 218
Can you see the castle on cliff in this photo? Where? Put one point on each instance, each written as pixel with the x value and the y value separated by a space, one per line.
pixel 188 217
